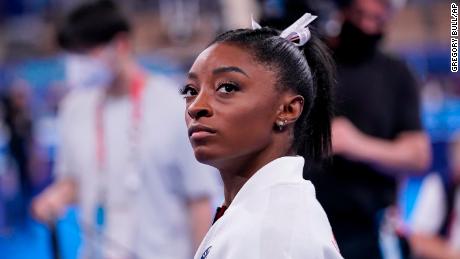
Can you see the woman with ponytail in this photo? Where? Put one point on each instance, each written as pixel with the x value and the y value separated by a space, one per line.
pixel 258 108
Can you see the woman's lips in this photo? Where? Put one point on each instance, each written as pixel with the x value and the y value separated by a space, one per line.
pixel 200 135
pixel 199 131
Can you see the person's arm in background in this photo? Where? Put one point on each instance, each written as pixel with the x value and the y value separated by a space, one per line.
pixel 409 151
pixel 431 247
pixel 199 188
pixel 200 217
pixel 52 202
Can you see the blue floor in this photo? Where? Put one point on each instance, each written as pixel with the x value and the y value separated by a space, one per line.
pixel 32 240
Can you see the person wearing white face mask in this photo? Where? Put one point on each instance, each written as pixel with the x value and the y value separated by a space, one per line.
pixel 87 71
pixel 128 164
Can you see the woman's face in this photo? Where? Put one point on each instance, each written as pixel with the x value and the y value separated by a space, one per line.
pixel 232 105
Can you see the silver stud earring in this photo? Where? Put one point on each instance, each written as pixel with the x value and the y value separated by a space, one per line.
pixel 281 124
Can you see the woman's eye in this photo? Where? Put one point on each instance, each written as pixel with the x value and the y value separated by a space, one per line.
pixel 227 88
pixel 188 91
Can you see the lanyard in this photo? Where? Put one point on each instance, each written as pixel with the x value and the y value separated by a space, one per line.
pixel 136 90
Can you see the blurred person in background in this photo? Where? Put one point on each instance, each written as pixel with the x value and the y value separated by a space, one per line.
pixel 15 152
pixel 434 227
pixel 123 153
pixel 280 14
pixel 18 117
pixel 377 135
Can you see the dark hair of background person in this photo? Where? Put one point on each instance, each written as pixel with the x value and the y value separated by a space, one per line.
pixel 308 71
pixel 280 18
pixel 90 25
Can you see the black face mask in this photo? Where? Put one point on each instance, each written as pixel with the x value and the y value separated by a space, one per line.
pixel 356 45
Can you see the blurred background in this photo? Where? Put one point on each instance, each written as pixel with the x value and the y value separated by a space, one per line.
pixel 168 35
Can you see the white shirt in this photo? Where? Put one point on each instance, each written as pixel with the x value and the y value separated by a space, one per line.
pixel 275 215
pixel 430 206
pixel 146 193
pixel 430 210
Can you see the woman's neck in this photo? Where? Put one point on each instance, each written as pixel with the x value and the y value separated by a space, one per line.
pixel 238 171
pixel 237 174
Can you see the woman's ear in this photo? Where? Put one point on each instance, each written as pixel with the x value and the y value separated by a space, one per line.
pixel 291 108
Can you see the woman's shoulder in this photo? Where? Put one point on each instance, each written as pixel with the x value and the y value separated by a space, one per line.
pixel 295 203
pixel 299 218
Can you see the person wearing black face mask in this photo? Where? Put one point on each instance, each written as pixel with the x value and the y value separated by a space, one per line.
pixel 356 45
pixel 377 134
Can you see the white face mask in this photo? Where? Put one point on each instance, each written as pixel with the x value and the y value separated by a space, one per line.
pixel 87 71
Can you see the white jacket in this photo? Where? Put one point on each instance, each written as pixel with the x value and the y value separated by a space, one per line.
pixel 275 215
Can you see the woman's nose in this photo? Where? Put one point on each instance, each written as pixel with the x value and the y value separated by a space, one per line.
pixel 200 107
